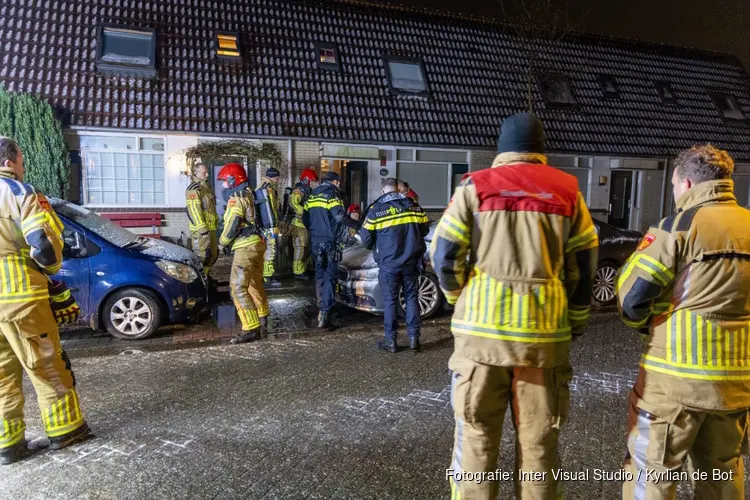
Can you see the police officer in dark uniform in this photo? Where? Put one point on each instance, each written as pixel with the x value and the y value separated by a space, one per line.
pixel 324 212
pixel 396 227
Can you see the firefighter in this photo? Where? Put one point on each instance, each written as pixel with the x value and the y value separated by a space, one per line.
pixel 243 235
pixel 300 237
pixel 396 227
pixel 30 250
pixel 515 251
pixel 324 211
pixel 686 289
pixel 202 217
pixel 267 203
pixel 403 188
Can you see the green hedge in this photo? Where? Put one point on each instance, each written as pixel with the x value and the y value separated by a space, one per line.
pixel 32 123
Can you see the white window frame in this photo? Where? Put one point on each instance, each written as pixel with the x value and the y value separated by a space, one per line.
pixel 450 164
pixel 138 150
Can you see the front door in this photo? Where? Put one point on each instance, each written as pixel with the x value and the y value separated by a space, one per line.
pixel 620 198
pixel 356 183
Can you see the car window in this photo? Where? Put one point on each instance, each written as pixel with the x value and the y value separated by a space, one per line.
pixel 111 232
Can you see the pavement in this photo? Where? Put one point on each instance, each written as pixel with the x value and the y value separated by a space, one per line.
pixel 306 414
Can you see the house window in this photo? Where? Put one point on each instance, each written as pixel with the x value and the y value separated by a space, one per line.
pixel 128 52
pixel 728 107
pixel 327 56
pixel 664 89
pixel 406 75
pixel 609 86
pixel 556 90
pixel 434 174
pixel 228 46
pixel 123 170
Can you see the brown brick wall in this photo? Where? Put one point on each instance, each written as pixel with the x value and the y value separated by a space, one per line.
pixel 306 154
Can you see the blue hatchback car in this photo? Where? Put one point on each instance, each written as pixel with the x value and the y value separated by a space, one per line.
pixel 125 283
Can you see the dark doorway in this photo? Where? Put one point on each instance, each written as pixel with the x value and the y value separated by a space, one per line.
pixel 620 199
pixel 356 183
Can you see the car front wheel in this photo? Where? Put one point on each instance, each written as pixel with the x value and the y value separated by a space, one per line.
pixel 430 297
pixel 131 314
pixel 605 281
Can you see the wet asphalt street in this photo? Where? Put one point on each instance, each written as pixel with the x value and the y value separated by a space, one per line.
pixel 302 415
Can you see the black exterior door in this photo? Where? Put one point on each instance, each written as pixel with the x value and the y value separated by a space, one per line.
pixel 620 199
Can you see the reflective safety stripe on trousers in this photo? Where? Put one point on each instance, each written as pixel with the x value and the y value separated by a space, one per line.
pixel 493 310
pixel 15 282
pixel 12 432
pixel 700 349
pixel 63 416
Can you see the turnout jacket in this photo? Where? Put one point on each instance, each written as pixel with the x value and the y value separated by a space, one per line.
pixel 533 251
pixel 201 206
pixel 297 200
pixel 396 227
pixel 324 210
pixel 688 284
pixel 240 223
pixel 31 247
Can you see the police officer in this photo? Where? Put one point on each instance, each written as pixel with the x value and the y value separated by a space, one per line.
pixel 519 300
pixel 269 201
pixel 246 279
pixel 686 287
pixel 202 217
pixel 30 250
pixel 300 237
pixel 396 227
pixel 324 211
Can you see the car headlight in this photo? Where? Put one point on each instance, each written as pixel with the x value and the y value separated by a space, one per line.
pixel 180 272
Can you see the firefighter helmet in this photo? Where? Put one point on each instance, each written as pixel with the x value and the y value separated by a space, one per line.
pixel 233 173
pixel 308 175
pixel 354 208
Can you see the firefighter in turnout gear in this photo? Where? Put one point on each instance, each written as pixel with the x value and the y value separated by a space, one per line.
pixel 324 212
pixel 267 205
pixel 396 227
pixel 201 210
pixel 516 252
pixel 243 235
pixel 686 287
pixel 300 237
pixel 30 250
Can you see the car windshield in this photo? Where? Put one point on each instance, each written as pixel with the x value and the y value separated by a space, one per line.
pixel 98 225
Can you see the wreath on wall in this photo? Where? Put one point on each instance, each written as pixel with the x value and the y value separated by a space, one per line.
pixel 217 152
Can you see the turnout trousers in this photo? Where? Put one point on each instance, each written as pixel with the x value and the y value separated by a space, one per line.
pixel 246 287
pixel 663 434
pixel 23 347
pixel 392 281
pixel 480 394
pixel 269 264
pixel 301 244
pixel 206 247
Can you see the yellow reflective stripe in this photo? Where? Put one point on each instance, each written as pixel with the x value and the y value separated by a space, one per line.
pixel 17 298
pixel 460 226
pixel 399 222
pixel 679 334
pixel 53 269
pixel 581 241
pixel 246 242
pixel 654 363
pixel 445 228
pixel 511 333
pixel 635 261
pixel 323 203
pixel 34 221
pixel 453 227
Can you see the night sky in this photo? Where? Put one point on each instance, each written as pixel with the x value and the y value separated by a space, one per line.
pixel 721 25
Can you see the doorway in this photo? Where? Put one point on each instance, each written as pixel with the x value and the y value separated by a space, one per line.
pixel 355 188
pixel 620 198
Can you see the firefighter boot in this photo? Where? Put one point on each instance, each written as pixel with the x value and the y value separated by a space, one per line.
pixel 264 327
pixel 81 434
pixel 14 453
pixel 246 337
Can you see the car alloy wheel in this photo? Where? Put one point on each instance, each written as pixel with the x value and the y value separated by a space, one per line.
pixel 131 316
pixel 604 284
pixel 429 296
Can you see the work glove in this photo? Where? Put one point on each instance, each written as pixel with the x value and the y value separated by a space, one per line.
pixel 64 306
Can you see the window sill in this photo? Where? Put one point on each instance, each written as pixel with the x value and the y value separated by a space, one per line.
pixel 126 71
